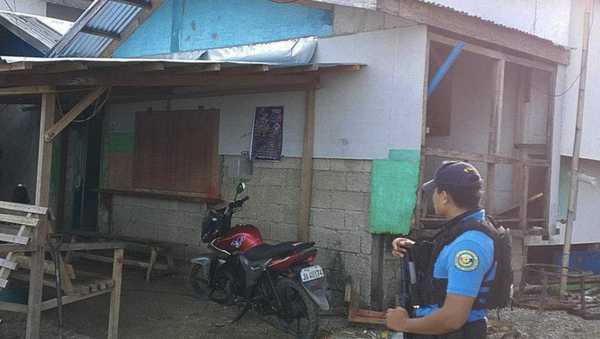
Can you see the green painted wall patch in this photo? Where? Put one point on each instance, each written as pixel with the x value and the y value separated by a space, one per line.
pixel 120 142
pixel 394 185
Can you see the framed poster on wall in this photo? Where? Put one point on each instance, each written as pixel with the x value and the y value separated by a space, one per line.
pixel 267 134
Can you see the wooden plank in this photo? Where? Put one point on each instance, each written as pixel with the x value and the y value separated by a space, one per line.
pixel 7 248
pixel 477 157
pixel 8 264
pixel 11 206
pixel 115 299
pixel 524 199
pixel 128 262
pixel 66 119
pixel 307 167
pixel 101 33
pixel 69 299
pixel 42 197
pixel 19 220
pixel 15 239
pixel 131 27
pixel 420 205
pixel 495 130
pixel 80 4
pixel 26 90
pixel 13 307
pixel 551 116
pixel 494 54
pixel 92 246
pixel 15 66
pixel 447 19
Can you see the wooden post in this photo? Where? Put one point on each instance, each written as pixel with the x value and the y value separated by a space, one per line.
pixel 41 233
pixel 549 151
pixel 495 127
pixel 307 167
pixel 524 199
pixel 574 182
pixel 115 296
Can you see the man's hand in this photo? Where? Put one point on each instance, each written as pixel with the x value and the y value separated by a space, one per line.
pixel 395 319
pixel 400 246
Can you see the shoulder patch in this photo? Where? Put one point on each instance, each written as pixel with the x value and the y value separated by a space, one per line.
pixel 466 260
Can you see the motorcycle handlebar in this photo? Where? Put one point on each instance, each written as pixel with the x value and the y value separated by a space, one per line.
pixel 239 203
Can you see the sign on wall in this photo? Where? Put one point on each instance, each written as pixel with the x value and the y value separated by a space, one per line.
pixel 267 135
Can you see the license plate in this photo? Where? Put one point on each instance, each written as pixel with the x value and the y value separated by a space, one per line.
pixel 311 273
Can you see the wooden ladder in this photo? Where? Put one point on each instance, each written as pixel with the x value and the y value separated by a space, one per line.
pixel 26 218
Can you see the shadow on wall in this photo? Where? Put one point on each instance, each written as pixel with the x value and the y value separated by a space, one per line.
pixel 18 148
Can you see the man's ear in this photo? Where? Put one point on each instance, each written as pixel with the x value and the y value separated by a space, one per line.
pixel 444 197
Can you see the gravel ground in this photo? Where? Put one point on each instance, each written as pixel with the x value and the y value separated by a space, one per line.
pixel 166 309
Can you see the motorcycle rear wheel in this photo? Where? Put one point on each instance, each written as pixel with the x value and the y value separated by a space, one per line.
pixel 300 316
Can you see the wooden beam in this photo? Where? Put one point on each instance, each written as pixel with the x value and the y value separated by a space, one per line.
pixel 551 116
pixel 132 26
pixel 115 297
pixel 13 307
pixel 495 129
pixel 138 3
pixel 101 33
pixel 494 54
pixel 7 248
pixel 69 299
pixel 307 167
pixel 524 199
pixel 26 90
pixel 79 4
pixel 15 66
pixel 456 22
pixel 11 206
pixel 477 157
pixel 15 239
pixel 19 220
pixel 42 195
pixel 84 103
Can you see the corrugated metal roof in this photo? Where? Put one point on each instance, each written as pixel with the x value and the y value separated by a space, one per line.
pixel 467 14
pixel 40 32
pixel 98 26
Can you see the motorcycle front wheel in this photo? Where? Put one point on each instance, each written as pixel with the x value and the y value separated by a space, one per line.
pixel 300 315
pixel 221 293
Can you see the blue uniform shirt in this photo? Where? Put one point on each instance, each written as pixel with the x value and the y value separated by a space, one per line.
pixel 465 262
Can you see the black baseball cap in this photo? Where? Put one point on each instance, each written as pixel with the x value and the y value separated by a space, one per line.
pixel 455 173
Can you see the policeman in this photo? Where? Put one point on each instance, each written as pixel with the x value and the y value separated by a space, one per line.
pixel 461 271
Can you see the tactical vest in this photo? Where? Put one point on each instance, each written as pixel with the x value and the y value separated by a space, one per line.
pixel 492 294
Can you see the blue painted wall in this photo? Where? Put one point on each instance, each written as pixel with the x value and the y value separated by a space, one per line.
pixel 182 25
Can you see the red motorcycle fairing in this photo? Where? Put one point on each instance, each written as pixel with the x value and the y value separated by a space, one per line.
pixel 240 238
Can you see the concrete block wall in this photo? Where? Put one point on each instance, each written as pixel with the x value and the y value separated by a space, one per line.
pixel 339 212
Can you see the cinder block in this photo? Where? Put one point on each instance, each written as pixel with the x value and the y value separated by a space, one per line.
pixel 284 232
pixel 321 164
pixel 291 177
pixel 321 199
pixel 273 213
pixel 186 219
pixel 350 201
pixel 290 196
pixel 345 165
pixel 327 218
pixel 262 164
pixel 340 240
pixel 271 177
pixel 366 242
pixel 290 214
pixel 356 220
pixel 358 182
pixel 329 181
pixel 288 163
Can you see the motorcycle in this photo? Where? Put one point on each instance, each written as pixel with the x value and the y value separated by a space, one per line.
pixel 277 281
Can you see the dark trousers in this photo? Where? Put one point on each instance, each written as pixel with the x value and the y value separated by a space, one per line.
pixel 473 330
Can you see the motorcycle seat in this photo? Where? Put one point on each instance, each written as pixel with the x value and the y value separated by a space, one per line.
pixel 266 251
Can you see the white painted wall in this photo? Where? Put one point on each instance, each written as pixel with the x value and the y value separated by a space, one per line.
pixel 360 115
pixel 36 7
pixel 363 115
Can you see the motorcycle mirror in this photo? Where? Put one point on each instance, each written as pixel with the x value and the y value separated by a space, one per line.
pixel 240 188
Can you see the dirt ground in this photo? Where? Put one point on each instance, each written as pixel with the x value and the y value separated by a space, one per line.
pixel 165 308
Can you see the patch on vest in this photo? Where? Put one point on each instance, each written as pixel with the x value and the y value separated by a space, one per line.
pixel 466 260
